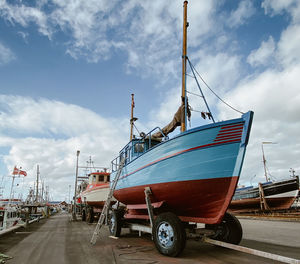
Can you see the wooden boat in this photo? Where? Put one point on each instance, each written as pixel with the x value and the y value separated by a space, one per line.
pixel 9 217
pixel 191 177
pixel 96 191
pixel 278 196
pixel 193 174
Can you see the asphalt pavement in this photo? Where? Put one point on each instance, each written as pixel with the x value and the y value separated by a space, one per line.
pixel 58 240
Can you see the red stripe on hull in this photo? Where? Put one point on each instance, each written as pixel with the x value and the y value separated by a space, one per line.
pixel 202 201
pixel 239 132
pixel 253 204
pixel 232 126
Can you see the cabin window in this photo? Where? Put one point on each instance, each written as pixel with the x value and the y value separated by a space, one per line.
pixel 94 178
pixel 101 178
pixel 139 147
pixel 107 178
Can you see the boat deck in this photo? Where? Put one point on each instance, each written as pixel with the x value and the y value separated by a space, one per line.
pixel 57 240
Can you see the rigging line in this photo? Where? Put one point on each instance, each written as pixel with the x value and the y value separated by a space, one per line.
pixel 191 66
pixel 189 75
pixel 194 94
pixel 194 110
pixel 213 91
pixel 136 128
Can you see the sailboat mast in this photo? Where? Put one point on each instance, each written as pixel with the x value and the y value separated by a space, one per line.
pixel 184 52
pixel 37 183
pixel 264 162
pixel 131 119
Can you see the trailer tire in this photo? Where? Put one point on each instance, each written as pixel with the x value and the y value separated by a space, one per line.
pixel 169 234
pixel 83 215
pixel 115 222
pixel 229 230
pixel 90 215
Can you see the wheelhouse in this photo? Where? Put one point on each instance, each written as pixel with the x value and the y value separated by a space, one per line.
pixel 137 147
pixel 99 177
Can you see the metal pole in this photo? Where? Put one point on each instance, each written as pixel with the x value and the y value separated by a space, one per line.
pixel 11 189
pixel 37 182
pixel 131 119
pixel 75 191
pixel 264 161
pixel 69 193
pixel 184 49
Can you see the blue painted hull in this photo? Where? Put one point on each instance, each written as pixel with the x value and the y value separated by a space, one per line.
pixel 209 154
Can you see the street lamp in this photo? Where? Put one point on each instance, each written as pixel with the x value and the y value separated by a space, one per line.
pixel 74 203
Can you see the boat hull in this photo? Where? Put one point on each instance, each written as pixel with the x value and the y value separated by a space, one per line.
pixel 279 195
pixel 281 201
pixel 194 174
pixel 196 201
pixel 95 196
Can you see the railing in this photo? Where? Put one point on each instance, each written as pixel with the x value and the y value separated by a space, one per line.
pixel 127 151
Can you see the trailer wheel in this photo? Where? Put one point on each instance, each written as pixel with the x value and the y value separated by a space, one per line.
pixel 229 230
pixel 115 222
pixel 168 234
pixel 90 215
pixel 83 215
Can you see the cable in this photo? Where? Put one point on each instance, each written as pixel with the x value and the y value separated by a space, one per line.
pixel 212 90
pixel 136 128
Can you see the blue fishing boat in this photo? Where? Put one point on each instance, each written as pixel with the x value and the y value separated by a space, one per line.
pixel 192 176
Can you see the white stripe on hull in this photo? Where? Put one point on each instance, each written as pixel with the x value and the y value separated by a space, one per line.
pixel 293 193
pixel 97 195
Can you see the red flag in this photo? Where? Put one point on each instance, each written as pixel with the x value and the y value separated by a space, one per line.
pixel 23 173
pixel 15 171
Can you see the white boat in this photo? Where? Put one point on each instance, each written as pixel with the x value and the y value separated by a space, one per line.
pixel 96 192
pixel 9 217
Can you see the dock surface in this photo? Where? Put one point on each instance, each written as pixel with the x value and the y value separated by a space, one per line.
pixel 58 241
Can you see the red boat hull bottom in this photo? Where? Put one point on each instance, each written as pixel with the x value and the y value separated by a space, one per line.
pixel 200 201
pixel 246 205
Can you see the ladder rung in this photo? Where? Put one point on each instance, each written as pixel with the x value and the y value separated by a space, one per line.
pixel 107 203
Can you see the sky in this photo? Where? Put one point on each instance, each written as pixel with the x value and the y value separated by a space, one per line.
pixel 68 69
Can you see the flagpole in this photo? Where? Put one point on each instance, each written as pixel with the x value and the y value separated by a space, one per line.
pixel 11 189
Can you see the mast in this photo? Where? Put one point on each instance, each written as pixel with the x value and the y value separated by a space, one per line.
pixel 11 190
pixel 132 118
pixel 264 161
pixel 37 182
pixel 184 52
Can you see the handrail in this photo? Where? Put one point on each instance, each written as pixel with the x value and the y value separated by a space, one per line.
pixel 126 152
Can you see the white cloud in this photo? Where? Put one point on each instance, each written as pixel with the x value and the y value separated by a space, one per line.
pixel 288 46
pixel 24 15
pixel 239 16
pixel 6 55
pixel 274 7
pixel 263 55
pixel 49 133
pixel 149 32
pixel 274 98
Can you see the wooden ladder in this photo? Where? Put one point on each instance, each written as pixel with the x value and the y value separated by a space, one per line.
pixel 105 210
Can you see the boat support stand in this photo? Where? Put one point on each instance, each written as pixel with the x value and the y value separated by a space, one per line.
pixel 251 251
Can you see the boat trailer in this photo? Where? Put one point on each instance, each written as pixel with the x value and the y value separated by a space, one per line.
pixel 203 234
pixel 169 232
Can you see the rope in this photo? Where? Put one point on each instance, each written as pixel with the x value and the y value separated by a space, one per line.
pixel 194 94
pixel 213 91
pixel 136 128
